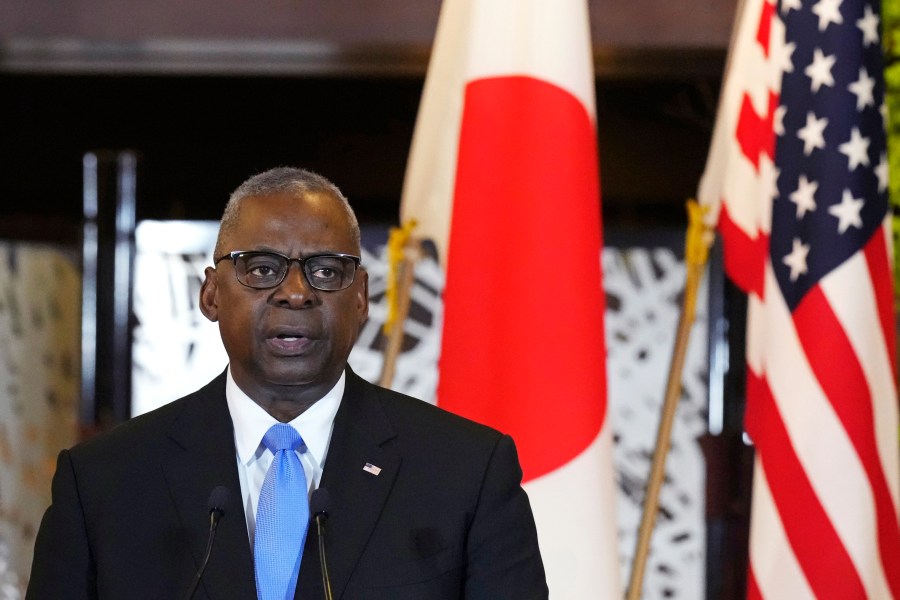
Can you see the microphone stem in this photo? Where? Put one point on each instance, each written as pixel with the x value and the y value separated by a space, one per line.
pixel 326 581
pixel 214 517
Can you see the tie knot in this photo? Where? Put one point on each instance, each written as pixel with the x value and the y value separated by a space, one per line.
pixel 283 437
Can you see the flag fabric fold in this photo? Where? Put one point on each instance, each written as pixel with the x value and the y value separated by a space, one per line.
pixel 796 180
pixel 503 175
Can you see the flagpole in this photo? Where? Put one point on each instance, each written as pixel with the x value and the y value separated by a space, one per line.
pixel 404 251
pixel 697 243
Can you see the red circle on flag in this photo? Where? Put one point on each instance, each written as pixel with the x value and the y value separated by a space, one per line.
pixel 523 347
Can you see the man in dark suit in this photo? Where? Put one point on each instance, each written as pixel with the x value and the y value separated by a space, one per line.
pixel 422 504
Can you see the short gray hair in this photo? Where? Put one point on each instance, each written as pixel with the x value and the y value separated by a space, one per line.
pixel 282 179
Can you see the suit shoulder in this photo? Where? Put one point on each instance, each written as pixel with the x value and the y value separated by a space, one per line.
pixel 407 412
pixel 139 431
pixel 134 432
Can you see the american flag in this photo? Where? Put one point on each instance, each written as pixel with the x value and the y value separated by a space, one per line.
pixel 797 182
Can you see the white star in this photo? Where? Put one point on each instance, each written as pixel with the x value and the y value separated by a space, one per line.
pixel 829 12
pixel 819 71
pixel 812 133
pixel 787 5
pixel 804 196
pixel 856 150
pixel 869 27
pixel 783 57
pixel 778 119
pixel 796 260
pixel 863 88
pixel 847 212
pixel 881 172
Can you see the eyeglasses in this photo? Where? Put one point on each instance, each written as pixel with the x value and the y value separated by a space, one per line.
pixel 263 270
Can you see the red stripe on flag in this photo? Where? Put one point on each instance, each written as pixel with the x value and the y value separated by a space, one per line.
pixel 816 544
pixel 755 133
pixel 753 592
pixel 876 252
pixel 744 256
pixel 523 346
pixel 763 34
pixel 827 345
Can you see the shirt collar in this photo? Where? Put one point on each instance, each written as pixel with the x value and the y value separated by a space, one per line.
pixel 251 422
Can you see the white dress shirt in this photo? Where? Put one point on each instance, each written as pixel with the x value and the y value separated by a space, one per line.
pixel 253 459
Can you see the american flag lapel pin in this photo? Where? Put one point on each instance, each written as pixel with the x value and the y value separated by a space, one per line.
pixel 370 468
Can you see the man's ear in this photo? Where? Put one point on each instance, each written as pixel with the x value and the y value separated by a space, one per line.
pixel 209 295
pixel 362 296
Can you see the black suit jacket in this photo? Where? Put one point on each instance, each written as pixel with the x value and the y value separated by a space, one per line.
pixel 446 516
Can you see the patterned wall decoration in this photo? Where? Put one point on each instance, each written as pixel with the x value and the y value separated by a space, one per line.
pixel 644 289
pixel 644 286
pixel 175 348
pixel 40 313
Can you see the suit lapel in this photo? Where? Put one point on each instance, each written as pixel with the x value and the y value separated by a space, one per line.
pixel 357 492
pixel 202 457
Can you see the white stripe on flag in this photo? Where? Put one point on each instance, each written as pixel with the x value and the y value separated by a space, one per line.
pixel 820 441
pixel 777 572
pixel 576 549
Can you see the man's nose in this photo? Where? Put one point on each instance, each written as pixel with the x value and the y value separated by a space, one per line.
pixel 295 289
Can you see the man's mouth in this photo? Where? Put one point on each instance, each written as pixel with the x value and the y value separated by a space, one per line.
pixel 289 344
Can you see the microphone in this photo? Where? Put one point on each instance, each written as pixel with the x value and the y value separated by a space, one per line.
pixel 217 503
pixel 318 508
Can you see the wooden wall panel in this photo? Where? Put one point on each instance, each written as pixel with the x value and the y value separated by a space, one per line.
pixel 300 36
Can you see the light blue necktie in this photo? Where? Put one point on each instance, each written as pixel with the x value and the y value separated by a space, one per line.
pixel 282 516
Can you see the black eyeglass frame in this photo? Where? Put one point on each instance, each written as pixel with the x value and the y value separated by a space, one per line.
pixel 234 255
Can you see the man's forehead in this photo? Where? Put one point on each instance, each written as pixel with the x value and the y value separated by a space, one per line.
pixel 292 214
pixel 289 204
pixel 289 197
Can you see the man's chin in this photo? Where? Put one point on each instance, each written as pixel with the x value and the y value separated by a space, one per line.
pixel 302 378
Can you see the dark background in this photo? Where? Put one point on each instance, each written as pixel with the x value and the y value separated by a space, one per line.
pixel 198 137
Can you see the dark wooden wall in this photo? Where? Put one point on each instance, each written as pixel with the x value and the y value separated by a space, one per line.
pixel 339 23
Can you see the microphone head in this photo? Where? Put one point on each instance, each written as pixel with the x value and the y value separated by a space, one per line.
pixel 218 499
pixel 318 502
